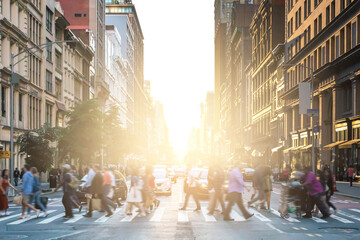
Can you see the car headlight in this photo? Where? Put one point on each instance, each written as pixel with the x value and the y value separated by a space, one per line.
pixel 226 185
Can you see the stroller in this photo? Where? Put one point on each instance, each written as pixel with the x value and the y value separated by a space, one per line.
pixel 290 199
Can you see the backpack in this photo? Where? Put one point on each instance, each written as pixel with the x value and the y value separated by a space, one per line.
pixel 74 183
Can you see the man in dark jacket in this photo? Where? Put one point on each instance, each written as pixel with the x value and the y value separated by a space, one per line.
pixel 97 191
pixel 217 183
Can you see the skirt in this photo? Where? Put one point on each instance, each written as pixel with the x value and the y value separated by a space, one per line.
pixel 4 203
pixel 134 199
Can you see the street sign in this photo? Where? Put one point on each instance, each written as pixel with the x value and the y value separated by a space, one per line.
pixel 304 97
pixel 313 112
pixel 4 154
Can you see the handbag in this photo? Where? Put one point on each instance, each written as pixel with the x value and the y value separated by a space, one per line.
pixel 96 204
pixel 17 199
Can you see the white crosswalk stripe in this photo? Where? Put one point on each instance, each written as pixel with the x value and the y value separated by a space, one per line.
pixel 343 220
pixel 49 220
pixel 208 218
pixel 183 216
pixel 318 220
pixel 236 216
pixel 159 212
pixel 355 210
pixel 130 218
pixel 290 219
pixel 259 215
pixel 349 215
pixel 76 218
pixel 104 218
pixel 9 217
pixel 27 219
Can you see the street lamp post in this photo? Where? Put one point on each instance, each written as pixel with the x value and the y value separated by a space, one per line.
pixel 13 81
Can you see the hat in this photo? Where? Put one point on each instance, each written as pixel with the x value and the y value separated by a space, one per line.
pixel 67 166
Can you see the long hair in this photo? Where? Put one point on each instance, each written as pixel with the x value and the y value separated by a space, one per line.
pixel 3 173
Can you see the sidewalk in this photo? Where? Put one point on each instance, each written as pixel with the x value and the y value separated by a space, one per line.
pixel 344 189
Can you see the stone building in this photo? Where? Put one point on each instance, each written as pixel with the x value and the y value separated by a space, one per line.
pixel 322 40
pixel 267 33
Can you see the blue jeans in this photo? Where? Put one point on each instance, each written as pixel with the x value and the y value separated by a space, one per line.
pixel 36 198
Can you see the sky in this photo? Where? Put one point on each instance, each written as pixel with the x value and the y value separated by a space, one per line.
pixel 179 60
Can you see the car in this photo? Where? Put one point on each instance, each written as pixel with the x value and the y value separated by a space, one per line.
pixel 180 172
pixel 171 174
pixel 203 184
pixel 163 184
pixel 248 174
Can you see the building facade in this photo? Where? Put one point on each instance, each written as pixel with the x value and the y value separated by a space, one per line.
pixel 322 45
pixel 115 9
pixel 267 33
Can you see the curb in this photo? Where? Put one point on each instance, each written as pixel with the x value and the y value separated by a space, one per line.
pixel 346 195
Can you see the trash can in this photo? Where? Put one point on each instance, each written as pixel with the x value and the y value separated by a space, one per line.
pixel 52 181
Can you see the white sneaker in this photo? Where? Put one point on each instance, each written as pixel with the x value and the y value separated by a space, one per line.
pixel 45 214
pixel 27 216
pixel 37 213
pixel 7 214
pixel 2 214
pixel 22 217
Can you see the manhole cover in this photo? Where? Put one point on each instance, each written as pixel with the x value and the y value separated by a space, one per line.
pixel 10 237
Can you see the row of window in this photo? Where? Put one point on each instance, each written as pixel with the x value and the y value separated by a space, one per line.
pixel 34 109
pixel 262 126
pixel 344 40
pixel 34 30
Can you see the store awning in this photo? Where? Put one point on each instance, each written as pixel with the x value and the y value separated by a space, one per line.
pixel 349 144
pixel 275 149
pixel 60 106
pixel 306 148
pixel 331 145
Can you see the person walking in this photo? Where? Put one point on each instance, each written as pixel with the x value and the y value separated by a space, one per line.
pixel 134 197
pixel 35 196
pixel 27 190
pixel 74 184
pixel 236 189
pixel 108 188
pixel 192 178
pixel 4 184
pixel 259 186
pixel 97 190
pixel 351 174
pixel 217 182
pixel 267 187
pixel 329 188
pixel 315 192
pixel 16 176
pixel 68 191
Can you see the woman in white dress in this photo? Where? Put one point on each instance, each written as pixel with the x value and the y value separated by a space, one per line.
pixel 134 197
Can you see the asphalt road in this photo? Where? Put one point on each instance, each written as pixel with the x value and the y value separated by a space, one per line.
pixel 167 222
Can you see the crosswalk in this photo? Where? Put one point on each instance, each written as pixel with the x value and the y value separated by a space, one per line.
pixel 162 213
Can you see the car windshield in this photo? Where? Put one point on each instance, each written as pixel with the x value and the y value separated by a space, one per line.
pixel 159 173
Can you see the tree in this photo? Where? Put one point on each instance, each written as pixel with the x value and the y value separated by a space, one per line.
pixel 37 145
pixel 81 138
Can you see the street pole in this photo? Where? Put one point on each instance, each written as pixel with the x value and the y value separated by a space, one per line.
pixel 312 123
pixel 11 120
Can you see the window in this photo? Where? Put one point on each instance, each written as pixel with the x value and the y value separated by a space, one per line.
pixel 332 10
pixel 315 61
pixel 327 15
pixel 333 48
pixel 309 33
pixel 327 52
pixel 296 20
pixel 228 5
pixel 48 114
pixel 315 27
pixel 323 59
pixel 20 107
pixel 337 51
pixel 320 22
pixel 305 9
pixel 348 37
pixel 3 102
pixel 78 14
pixel 58 60
pixel 353 35
pixel 49 19
pixel 309 7
pixel 299 16
pixel 291 25
pixel 342 5
pixel 48 50
pixel 48 81
pixel 342 41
